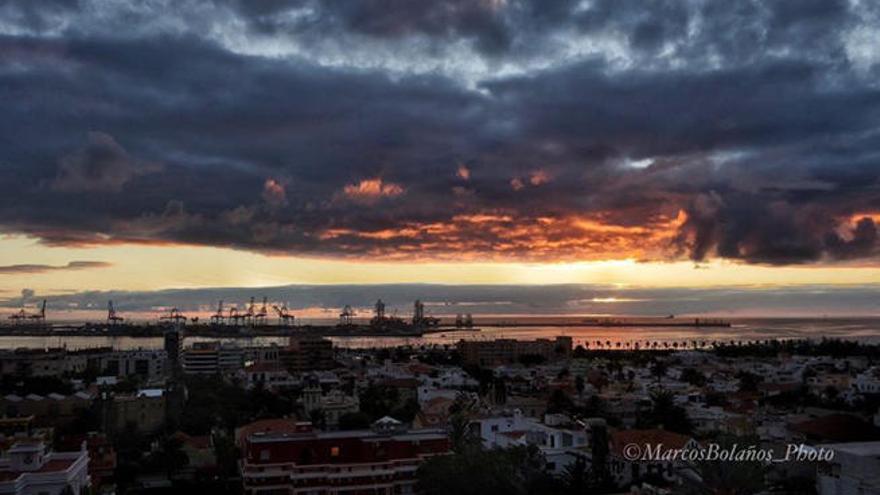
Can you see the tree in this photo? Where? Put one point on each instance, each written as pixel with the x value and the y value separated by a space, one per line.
pixel 579 385
pixel 318 418
pixel 559 402
pixel 748 382
pixel 659 369
pixel 378 401
pixel 740 478
pixel 354 421
pixel 476 471
pixel 693 377
pixel 531 359
pixel 664 413
pixel 575 477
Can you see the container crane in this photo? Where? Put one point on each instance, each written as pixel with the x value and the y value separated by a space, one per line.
pixel 112 318
pixel 234 317
pixel 260 317
pixel 174 316
pixel 345 318
pixel 249 315
pixel 284 316
pixel 40 317
pixel 217 318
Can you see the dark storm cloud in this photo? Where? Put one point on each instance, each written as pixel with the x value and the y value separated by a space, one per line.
pixel 31 269
pixel 101 165
pixel 654 130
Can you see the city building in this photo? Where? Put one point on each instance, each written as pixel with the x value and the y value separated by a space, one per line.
pixel 382 460
pixel 509 351
pixel 33 362
pixel 47 410
pixel 148 365
pixel 173 345
pixel 30 468
pixel 143 411
pixel 853 470
pixel 304 354
pixel 269 375
pixel 212 358
pixel 333 406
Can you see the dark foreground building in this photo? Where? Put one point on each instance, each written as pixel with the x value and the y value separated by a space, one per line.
pixel 380 461
pixel 509 351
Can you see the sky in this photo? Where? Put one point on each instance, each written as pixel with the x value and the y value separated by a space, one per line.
pixel 614 143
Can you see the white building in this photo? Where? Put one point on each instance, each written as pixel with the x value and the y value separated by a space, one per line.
pixel 555 442
pixel 868 382
pixel 334 405
pixel 854 470
pixel 27 468
pixel 268 375
pixel 212 358
pixel 148 364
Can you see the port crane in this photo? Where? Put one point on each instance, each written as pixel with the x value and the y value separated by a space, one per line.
pixel 113 318
pixel 18 317
pixel 24 317
pixel 234 317
pixel 260 317
pixel 347 315
pixel 217 318
pixel 284 316
pixel 41 316
pixel 174 315
pixel 420 319
pixel 249 315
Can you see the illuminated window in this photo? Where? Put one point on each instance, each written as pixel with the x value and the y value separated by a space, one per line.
pixel 334 451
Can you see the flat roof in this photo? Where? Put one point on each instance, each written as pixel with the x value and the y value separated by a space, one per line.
pixel 855 448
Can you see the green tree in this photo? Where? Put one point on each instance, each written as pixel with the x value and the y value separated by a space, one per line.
pixel 354 421
pixel 476 471
pixel 664 413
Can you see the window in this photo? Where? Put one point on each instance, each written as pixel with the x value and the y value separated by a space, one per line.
pixel 334 451
pixel 264 455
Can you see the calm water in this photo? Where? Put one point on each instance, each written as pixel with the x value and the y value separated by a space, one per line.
pixel 865 330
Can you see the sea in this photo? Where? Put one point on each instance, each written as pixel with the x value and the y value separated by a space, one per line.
pixel 594 336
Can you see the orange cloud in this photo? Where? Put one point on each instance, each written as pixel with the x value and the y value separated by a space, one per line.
pixel 516 184
pixel 494 236
pixel 274 193
pixel 370 190
pixel 538 177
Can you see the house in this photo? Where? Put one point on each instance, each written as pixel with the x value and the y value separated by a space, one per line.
pixel 270 375
pixel 852 470
pixel 102 456
pixel 835 428
pixel 144 411
pixel 211 358
pixel 383 459
pixel 279 426
pixel 626 470
pixel 434 413
pixel 199 451
pixel 514 429
pixel 31 468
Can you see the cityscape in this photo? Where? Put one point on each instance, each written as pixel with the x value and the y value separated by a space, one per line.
pixel 457 247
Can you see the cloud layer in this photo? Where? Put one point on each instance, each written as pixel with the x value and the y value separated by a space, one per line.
pixel 35 268
pixel 492 129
